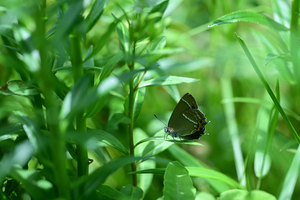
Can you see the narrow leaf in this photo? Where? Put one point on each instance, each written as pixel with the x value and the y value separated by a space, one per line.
pixel 267 87
pixel 109 66
pixel 161 138
pixel 95 13
pixel 167 80
pixel 139 96
pixel 18 87
pixel 85 98
pixel 99 176
pixel 248 16
pixel 20 155
pixel 123 34
pixel 290 180
pixel 270 57
pixel 35 186
pixel 92 138
pixel 212 174
pixel 103 40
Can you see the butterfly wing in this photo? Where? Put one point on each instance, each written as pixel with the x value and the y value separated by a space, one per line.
pixel 196 124
pixel 186 102
pixel 189 122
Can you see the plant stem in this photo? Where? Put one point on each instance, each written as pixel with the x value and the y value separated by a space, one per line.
pixel 76 59
pixel 294 43
pixel 294 29
pixel 43 78
pixel 131 109
pixel 82 155
pixel 131 142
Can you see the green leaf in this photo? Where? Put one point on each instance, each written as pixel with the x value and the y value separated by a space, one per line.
pixel 248 16
pixel 262 158
pixel 166 51
pixel 92 138
pixel 95 14
pixel 167 80
pixel 74 97
pixel 123 36
pixel 79 98
pixel 229 108
pixel 116 119
pixel 95 107
pixel 70 20
pixel 265 160
pixel 267 87
pixel 139 96
pixel 103 40
pixel 144 180
pixel 154 148
pixel 236 194
pixel 259 101
pixel 131 192
pixel 262 163
pixel 109 67
pixel 150 171
pixel 99 176
pixel 36 186
pixel 270 57
pixel 158 43
pixel 160 8
pixel 290 180
pixel 139 100
pixel 212 174
pixel 188 160
pixel 204 195
pixel 89 62
pixel 155 45
pixel 20 155
pixel 18 87
pixel 161 138
pixel 170 65
pixel 177 183
pixel 52 31
pixel 110 193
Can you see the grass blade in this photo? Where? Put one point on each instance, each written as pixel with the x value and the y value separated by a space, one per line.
pixel 167 80
pixel 248 16
pixel 291 178
pixel 233 130
pixel 212 174
pixel 267 87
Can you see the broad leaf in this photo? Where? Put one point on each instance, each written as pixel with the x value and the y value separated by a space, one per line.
pixel 177 183
pixel 245 195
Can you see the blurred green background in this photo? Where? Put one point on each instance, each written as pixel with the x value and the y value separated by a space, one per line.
pixel 229 90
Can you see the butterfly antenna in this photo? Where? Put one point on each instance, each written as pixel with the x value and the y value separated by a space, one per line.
pixel 160 120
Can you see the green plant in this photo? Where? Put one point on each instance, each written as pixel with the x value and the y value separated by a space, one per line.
pixel 80 84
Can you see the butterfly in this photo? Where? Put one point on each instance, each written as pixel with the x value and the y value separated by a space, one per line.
pixel 187 121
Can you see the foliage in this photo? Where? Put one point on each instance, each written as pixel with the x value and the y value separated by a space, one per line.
pixel 81 80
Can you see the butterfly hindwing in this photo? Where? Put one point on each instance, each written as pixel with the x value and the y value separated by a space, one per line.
pixel 186 121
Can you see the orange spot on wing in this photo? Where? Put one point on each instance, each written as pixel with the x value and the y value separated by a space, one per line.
pixel 200 122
